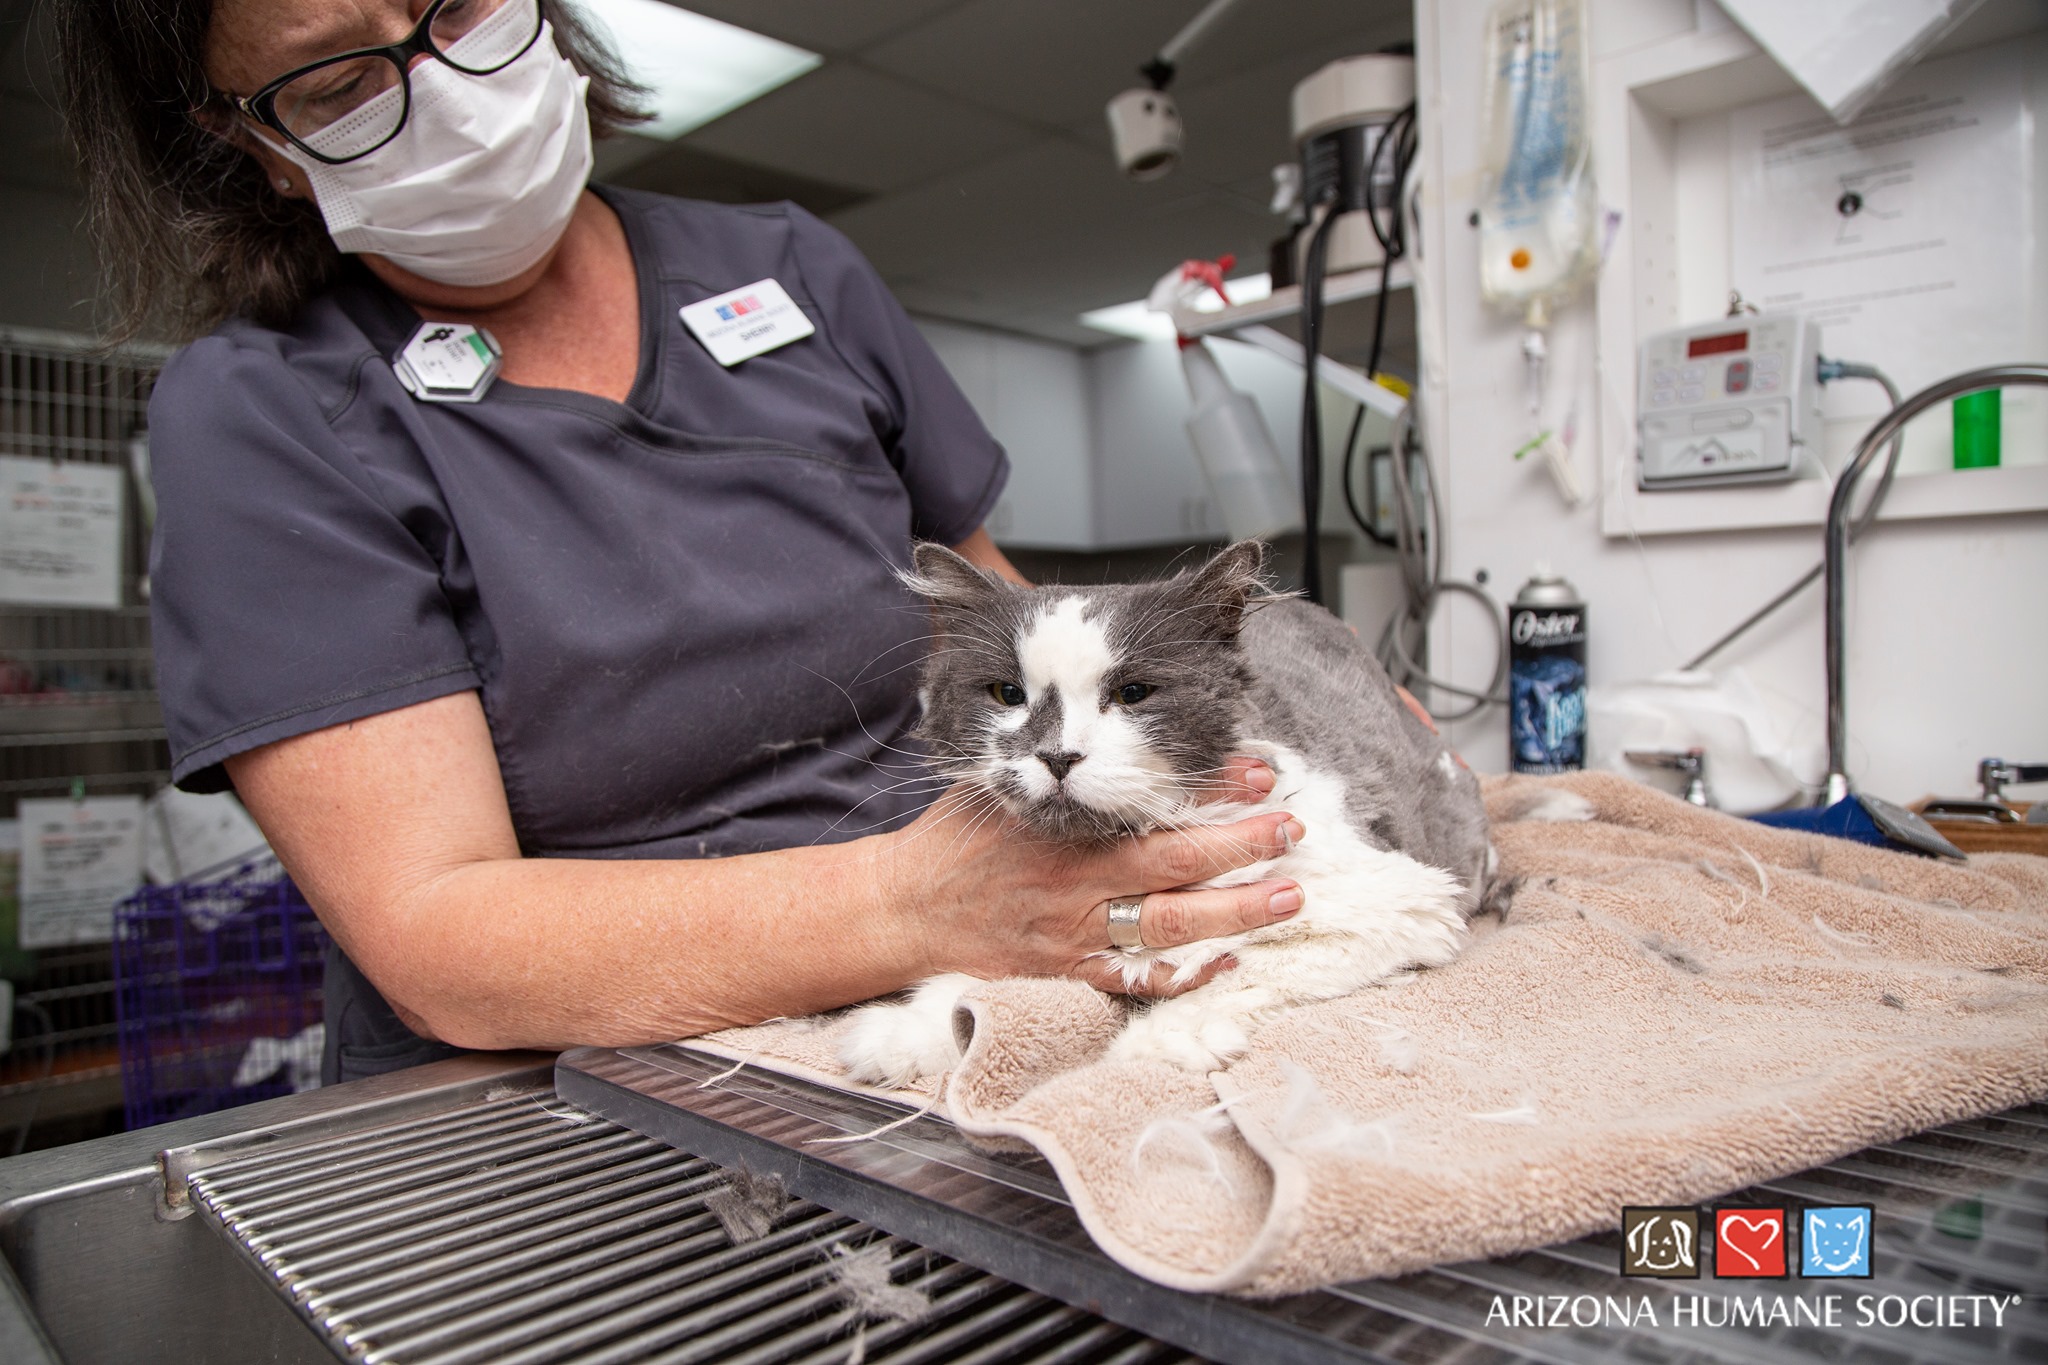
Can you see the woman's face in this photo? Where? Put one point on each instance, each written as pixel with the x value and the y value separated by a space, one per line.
pixel 253 42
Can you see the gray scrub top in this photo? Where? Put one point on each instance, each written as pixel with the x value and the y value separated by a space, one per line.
pixel 680 611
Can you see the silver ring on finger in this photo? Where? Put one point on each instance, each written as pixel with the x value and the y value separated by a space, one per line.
pixel 1124 931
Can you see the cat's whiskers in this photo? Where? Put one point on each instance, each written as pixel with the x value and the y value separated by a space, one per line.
pixel 977 803
pixel 920 644
pixel 916 786
pixel 988 810
pixel 859 721
pixel 908 769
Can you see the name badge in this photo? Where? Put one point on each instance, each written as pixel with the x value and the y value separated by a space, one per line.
pixel 751 319
pixel 448 362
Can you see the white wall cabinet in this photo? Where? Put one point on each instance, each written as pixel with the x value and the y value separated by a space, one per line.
pixel 1099 452
pixel 1034 397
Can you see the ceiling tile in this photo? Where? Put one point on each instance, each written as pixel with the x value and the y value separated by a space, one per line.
pixel 855 127
pixel 1018 205
pixel 823 25
pixel 1061 60
pixel 1241 125
pixel 1055 61
pixel 1256 34
pixel 676 168
pixel 1030 241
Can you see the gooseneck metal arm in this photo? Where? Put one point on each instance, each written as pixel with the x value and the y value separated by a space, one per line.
pixel 1837 563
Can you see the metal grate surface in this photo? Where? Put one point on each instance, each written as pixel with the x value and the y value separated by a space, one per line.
pixel 1960 1210
pixel 519 1230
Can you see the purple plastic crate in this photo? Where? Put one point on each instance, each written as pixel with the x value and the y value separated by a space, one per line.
pixel 215 986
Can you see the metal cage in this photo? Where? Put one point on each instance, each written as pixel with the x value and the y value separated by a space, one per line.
pixel 78 706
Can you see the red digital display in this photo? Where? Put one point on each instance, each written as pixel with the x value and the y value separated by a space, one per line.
pixel 1727 341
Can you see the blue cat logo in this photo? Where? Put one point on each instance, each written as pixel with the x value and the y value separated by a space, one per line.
pixel 1835 1243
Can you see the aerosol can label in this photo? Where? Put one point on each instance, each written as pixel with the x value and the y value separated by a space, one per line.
pixel 1547 678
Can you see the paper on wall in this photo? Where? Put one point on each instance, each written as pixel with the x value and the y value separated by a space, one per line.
pixel 60 532
pixel 78 860
pixel 1844 51
pixel 1907 235
pixel 188 834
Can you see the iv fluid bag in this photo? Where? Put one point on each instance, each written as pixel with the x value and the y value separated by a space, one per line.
pixel 1539 213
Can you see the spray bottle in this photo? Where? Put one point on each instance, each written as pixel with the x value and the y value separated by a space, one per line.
pixel 1248 485
pixel 1547 676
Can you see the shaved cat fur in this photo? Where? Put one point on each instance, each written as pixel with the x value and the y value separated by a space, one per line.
pixel 1097 713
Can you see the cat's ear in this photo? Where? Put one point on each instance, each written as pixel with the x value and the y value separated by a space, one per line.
pixel 945 579
pixel 1230 582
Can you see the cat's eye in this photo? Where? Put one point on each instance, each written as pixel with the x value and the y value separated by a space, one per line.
pixel 1130 694
pixel 1008 693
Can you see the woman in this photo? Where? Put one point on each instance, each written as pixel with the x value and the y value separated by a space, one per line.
pixel 576 708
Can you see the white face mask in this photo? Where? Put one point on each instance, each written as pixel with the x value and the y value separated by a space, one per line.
pixel 482 181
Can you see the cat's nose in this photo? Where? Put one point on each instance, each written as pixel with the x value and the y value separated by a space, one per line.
pixel 1059 763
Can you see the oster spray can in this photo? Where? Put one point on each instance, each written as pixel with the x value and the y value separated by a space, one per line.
pixel 1547 676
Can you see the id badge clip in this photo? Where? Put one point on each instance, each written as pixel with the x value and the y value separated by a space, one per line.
pixel 448 362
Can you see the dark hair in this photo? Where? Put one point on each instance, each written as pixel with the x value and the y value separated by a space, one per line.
pixel 188 229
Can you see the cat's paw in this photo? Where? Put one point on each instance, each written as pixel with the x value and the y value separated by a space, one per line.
pixel 1200 1046
pixel 893 1045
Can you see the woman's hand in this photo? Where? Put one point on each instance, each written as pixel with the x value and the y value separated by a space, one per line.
pixel 985 897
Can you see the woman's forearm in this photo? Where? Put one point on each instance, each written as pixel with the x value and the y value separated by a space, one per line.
pixel 396 828
pixel 548 953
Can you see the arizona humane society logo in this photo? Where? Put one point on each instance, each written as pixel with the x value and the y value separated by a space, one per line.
pixel 1749 1243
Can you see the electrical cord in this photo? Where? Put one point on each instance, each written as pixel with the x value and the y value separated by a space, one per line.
pixel 1311 411
pixel 1393 238
pixel 1421 559
pixel 1400 135
pixel 1828 370
pixel 1395 148
pixel 1348 480
pixel 1418 549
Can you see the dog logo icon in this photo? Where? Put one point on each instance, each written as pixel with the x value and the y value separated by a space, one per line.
pixel 1749 1244
pixel 1835 1242
pixel 1661 1243
pixel 441 334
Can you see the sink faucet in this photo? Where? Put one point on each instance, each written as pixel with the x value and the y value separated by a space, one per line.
pixel 1994 773
pixel 1691 762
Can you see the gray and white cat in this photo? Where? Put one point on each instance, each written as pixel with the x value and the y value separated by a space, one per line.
pixel 1096 713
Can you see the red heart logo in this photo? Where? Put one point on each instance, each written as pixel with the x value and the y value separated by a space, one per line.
pixel 1749 1242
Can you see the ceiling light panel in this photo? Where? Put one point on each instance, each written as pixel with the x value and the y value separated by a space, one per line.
pixel 696 68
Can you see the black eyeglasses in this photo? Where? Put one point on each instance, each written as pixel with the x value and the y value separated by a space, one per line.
pixel 341 108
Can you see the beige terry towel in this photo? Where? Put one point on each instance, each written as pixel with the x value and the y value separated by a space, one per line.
pixel 1679 1003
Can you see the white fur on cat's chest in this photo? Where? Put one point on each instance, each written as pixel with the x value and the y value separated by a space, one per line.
pixel 1348 886
pixel 1367 914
